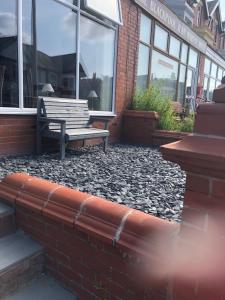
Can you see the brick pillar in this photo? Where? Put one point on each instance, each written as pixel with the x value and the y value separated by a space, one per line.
pixel 201 257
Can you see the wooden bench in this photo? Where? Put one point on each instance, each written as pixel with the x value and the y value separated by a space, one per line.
pixel 67 120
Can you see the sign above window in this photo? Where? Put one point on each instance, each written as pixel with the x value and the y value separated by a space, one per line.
pixel 110 9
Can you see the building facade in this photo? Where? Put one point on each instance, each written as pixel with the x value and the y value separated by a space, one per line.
pixel 73 49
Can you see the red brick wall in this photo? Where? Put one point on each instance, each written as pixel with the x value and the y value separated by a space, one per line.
pixel 17 134
pixel 126 62
pixel 99 249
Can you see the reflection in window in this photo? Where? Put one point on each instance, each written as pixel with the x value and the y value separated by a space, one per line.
pixel 145 31
pixel 184 53
pixel 220 74
pixel 212 84
pixel 161 38
pixel 174 47
pixel 193 58
pixel 207 66
pixel 52 59
pixel 97 62
pixel 214 70
pixel 205 88
pixel 181 84
pixel 8 54
pixel 164 74
pixel 143 63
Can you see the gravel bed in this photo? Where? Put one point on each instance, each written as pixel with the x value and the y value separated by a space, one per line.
pixel 135 176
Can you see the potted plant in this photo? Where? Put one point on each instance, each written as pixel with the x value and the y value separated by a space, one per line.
pixel 152 119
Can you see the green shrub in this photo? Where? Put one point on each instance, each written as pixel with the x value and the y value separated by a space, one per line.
pixel 187 124
pixel 153 100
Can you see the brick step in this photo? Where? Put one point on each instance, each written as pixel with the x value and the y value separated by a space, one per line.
pixel 7 220
pixel 43 288
pixel 21 260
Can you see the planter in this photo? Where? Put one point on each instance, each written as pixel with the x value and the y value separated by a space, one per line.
pixel 139 126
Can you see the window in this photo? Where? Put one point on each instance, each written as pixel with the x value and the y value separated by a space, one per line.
pixel 144 52
pixel 143 63
pixel 220 74
pixel 213 76
pixel 145 29
pixel 184 53
pixel 161 38
pixel 8 54
pixel 162 70
pixel 212 86
pixel 97 64
pixel 48 54
pixel 207 66
pixel 205 87
pixel 164 74
pixel 56 48
pixel 174 47
pixel 181 84
pixel 193 58
pixel 110 9
pixel 214 70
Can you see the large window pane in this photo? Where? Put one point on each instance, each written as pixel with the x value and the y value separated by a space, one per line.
pixel 220 74
pixel 174 47
pixel 145 31
pixel 143 63
pixel 205 88
pixel 214 70
pixel 97 64
pixel 56 49
pixel 181 84
pixel 193 58
pixel 29 54
pixel 212 85
pixel 161 38
pixel 207 66
pixel 164 74
pixel 8 54
pixel 184 53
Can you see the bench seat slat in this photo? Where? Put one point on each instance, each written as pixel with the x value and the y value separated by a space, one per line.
pixel 67 113
pixel 63 100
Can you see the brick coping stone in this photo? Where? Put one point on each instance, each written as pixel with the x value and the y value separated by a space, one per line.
pixel 112 223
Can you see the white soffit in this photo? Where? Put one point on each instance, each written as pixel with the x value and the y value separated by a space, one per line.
pixel 110 9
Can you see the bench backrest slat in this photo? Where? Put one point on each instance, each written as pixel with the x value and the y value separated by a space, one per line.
pixel 74 112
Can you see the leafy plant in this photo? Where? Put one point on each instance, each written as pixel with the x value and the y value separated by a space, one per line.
pixel 153 100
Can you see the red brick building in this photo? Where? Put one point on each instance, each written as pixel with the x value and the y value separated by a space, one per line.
pixel 135 43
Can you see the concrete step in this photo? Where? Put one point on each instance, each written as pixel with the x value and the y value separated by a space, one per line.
pixel 7 219
pixel 21 260
pixel 43 288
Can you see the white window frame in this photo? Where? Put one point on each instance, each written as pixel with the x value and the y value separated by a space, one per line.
pixel 32 111
pixel 120 22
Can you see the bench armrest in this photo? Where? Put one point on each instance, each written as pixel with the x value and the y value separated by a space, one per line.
pixel 104 120
pixel 50 120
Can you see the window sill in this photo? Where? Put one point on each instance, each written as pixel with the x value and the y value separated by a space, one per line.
pixel 17 111
pixel 102 114
pixel 33 111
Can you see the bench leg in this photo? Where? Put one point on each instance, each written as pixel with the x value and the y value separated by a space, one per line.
pixel 62 149
pixel 105 144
